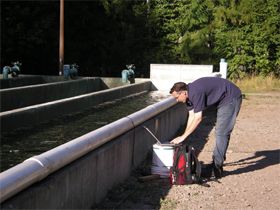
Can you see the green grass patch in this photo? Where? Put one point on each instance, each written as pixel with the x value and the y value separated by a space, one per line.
pixel 255 84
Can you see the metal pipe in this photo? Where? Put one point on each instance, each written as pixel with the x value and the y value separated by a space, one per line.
pixel 38 167
pixel 151 111
pixel 158 141
pixel 61 38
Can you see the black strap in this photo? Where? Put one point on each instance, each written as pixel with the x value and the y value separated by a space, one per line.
pixel 197 163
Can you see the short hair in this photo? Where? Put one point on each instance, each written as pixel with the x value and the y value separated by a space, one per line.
pixel 179 86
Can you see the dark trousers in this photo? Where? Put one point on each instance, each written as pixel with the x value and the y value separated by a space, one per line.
pixel 226 117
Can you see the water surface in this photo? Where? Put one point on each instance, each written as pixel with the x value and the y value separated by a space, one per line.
pixel 23 143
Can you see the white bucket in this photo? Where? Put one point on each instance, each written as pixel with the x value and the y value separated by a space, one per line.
pixel 162 160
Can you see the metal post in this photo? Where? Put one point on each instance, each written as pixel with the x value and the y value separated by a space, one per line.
pixel 61 38
pixel 223 68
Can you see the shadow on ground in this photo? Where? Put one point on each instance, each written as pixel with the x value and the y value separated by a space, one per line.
pixel 260 160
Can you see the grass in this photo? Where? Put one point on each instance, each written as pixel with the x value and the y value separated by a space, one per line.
pixel 166 204
pixel 255 84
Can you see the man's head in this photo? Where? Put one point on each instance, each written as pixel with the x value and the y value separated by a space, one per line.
pixel 179 91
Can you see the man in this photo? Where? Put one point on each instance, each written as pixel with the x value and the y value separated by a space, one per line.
pixel 198 96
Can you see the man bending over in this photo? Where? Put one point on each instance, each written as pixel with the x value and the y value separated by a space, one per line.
pixel 198 96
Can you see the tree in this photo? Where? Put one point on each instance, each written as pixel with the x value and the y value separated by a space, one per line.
pixel 247 34
pixel 166 26
pixel 102 36
pixel 28 34
pixel 197 42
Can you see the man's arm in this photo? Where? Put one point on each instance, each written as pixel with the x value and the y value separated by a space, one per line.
pixel 193 121
pixel 190 118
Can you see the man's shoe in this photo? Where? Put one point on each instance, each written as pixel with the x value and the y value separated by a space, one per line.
pixel 218 171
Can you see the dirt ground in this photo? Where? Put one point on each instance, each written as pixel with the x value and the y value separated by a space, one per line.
pixel 252 169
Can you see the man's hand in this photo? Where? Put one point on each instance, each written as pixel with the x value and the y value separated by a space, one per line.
pixel 178 140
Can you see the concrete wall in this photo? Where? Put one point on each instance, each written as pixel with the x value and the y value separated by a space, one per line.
pixel 25 80
pixel 14 98
pixel 85 181
pixel 51 88
pixel 164 76
pixel 32 115
pixel 20 81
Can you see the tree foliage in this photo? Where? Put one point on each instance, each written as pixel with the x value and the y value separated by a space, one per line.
pixel 166 25
pixel 247 34
pixel 101 36
pixel 28 36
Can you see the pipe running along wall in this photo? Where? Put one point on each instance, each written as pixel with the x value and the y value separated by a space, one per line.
pixel 95 162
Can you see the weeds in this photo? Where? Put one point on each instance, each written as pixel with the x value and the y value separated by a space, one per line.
pixel 166 204
pixel 258 84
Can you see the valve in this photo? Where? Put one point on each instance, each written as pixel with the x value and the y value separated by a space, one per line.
pixel 128 74
pixel 70 71
pixel 13 70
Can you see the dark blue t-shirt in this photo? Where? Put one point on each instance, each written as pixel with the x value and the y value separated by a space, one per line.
pixel 208 91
